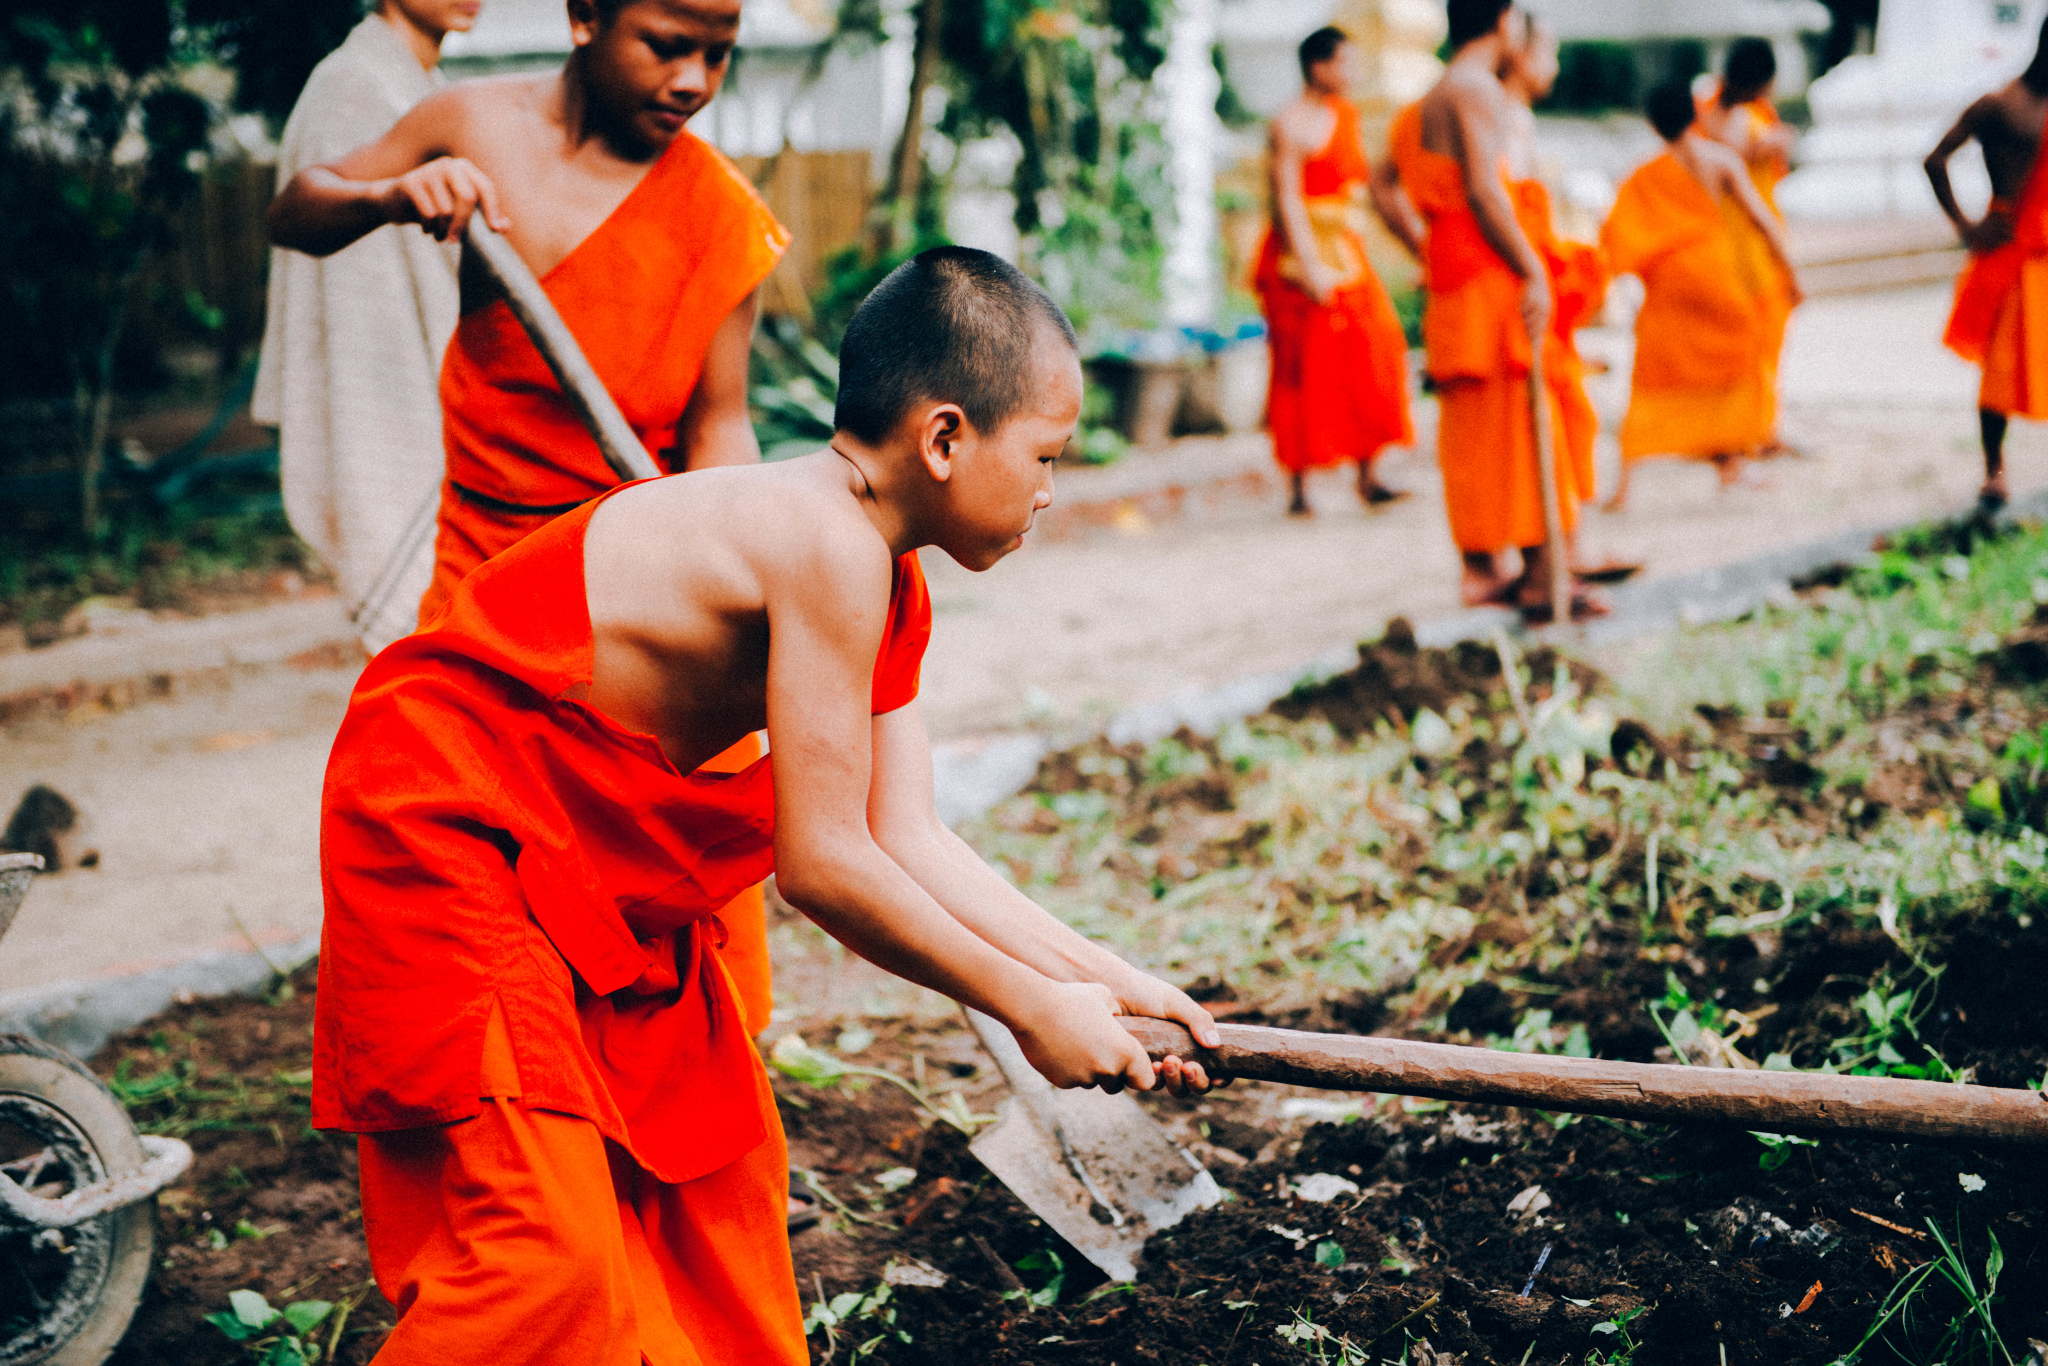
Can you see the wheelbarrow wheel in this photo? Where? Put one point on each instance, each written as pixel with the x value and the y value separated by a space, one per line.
pixel 67 1295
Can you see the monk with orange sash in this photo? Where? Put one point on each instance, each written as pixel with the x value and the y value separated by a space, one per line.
pixel 1490 293
pixel 1742 115
pixel 1716 276
pixel 570 1152
pixel 2000 319
pixel 649 243
pixel 1339 390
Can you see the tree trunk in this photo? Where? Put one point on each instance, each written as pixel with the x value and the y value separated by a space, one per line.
pixel 98 405
pixel 906 174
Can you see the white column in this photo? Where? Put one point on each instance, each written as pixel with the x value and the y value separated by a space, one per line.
pixel 1191 85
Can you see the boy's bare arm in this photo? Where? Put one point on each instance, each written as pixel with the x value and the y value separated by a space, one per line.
pixel 1395 209
pixel 1479 154
pixel 1994 230
pixel 826 607
pixel 905 821
pixel 1290 211
pixel 716 428
pixel 407 176
pixel 1733 173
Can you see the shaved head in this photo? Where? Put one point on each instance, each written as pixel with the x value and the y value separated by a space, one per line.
pixel 950 325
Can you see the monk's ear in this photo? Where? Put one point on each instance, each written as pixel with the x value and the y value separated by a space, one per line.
pixel 939 433
pixel 584 21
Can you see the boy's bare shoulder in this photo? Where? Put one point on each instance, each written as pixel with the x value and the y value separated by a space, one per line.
pixel 481 108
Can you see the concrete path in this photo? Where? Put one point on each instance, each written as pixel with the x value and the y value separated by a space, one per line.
pixel 204 805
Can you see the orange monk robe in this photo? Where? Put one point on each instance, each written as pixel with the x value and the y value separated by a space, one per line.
pixel 1479 355
pixel 570 1151
pixel 2000 319
pixel 1702 384
pixel 1339 388
pixel 644 295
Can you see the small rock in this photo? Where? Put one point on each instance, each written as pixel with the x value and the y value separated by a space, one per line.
pixel 48 823
pixel 913 1272
pixel 1323 1187
pixel 1528 1204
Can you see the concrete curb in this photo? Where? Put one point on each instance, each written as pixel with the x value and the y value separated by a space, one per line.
pixel 972 775
pixel 80 1016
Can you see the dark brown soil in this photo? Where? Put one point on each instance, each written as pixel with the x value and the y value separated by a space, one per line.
pixel 269 1205
pixel 1685 1226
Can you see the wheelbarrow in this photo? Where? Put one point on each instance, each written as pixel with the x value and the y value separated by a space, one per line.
pixel 78 1192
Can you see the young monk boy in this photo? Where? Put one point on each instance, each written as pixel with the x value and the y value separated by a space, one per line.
pixel 1715 270
pixel 569 1148
pixel 1340 362
pixel 648 241
pixel 1490 301
pixel 1992 323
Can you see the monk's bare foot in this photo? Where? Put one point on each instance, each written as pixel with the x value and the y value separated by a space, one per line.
pixel 1485 590
pixel 1297 504
pixel 1777 449
pixel 1738 473
pixel 1585 606
pixel 1993 496
pixel 1372 492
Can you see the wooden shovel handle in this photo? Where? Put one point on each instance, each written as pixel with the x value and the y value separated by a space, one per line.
pixel 1779 1102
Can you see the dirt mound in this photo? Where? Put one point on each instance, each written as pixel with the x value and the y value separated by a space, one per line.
pixel 1396 678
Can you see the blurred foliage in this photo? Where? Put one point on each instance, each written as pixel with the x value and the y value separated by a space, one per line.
pixel 102 139
pixel 1593 78
pixel 1230 106
pixel 272 46
pixel 1072 84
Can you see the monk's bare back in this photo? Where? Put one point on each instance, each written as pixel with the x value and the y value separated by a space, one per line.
pixel 1467 117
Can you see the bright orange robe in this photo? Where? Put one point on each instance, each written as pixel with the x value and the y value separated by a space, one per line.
pixel 1479 354
pixel 2000 319
pixel 1704 376
pixel 1339 388
pixel 644 294
pixel 523 899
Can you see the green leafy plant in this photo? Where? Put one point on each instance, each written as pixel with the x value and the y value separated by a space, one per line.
pixel 1052 1268
pixel 1620 1345
pixel 281 1337
pixel 796 1059
pixel 1962 1334
pixel 872 1314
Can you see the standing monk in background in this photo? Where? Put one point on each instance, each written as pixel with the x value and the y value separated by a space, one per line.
pixel 1992 322
pixel 1741 114
pixel 352 345
pixel 1490 298
pixel 650 244
pixel 1340 359
pixel 1714 268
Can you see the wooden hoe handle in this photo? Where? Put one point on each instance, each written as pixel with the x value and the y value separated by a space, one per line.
pixel 557 345
pixel 1779 1102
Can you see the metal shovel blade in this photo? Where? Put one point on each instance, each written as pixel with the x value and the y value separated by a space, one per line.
pixel 1096 1168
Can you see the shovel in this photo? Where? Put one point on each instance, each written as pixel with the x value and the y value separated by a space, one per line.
pixel 1096 1168
pixel 1779 1102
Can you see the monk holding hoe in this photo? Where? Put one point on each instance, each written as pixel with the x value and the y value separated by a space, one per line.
pixel 569 1149
pixel 1340 360
pixel 1490 305
pixel 1991 322
pixel 649 243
